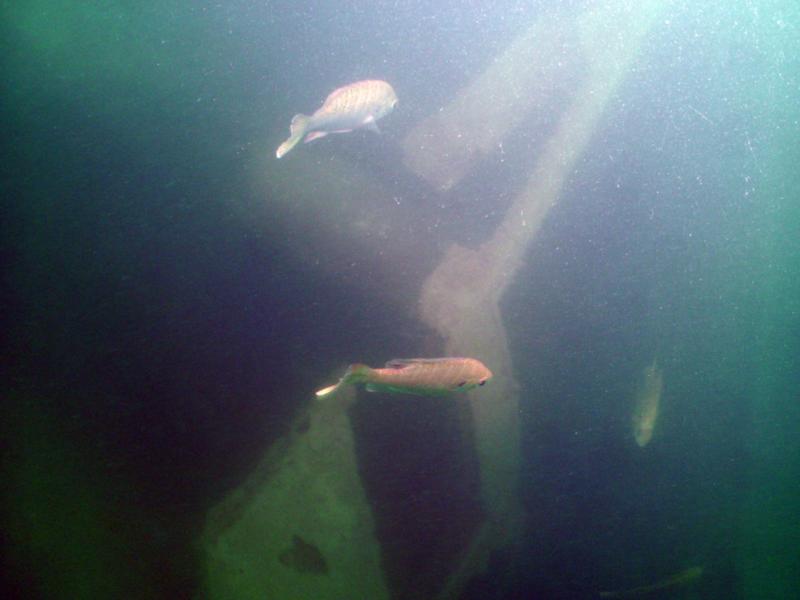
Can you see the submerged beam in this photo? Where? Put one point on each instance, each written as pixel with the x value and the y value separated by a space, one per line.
pixel 444 147
pixel 461 297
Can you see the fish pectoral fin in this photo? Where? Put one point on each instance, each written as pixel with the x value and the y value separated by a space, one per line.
pixel 382 388
pixel 369 123
pixel 314 135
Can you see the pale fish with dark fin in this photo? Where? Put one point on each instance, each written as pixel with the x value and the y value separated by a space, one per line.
pixel 648 401
pixel 421 376
pixel 353 106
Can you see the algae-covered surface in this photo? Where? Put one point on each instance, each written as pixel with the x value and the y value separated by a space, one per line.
pixel 301 526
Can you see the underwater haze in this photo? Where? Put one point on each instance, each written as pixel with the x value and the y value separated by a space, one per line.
pixel 599 200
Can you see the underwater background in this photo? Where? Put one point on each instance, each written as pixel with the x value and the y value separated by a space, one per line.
pixel 173 294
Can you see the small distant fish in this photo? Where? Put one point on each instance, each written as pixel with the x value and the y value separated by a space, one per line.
pixel 685 577
pixel 422 376
pixel 304 557
pixel 648 399
pixel 350 107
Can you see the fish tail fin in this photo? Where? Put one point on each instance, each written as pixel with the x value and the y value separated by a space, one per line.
pixel 355 373
pixel 327 391
pixel 297 130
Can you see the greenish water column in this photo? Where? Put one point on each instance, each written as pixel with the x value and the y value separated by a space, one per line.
pixel 769 558
pixel 69 536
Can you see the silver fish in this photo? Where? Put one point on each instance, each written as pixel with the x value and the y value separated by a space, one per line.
pixel 353 106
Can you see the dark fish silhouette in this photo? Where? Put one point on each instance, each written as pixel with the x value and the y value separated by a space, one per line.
pixel 304 557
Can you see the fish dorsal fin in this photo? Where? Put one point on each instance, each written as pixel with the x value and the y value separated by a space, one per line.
pixel 400 363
